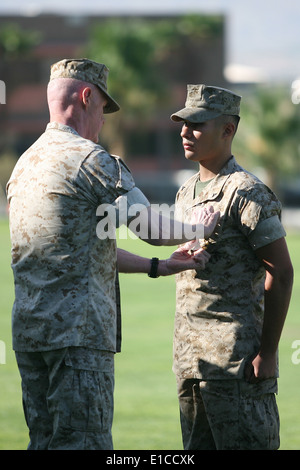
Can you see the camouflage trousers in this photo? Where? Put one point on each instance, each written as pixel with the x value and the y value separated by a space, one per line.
pixel 228 415
pixel 68 398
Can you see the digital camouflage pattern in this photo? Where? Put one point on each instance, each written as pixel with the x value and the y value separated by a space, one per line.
pixel 207 102
pixel 219 310
pixel 64 274
pixel 87 71
pixel 68 398
pixel 228 415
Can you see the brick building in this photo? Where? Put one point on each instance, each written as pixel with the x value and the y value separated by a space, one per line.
pixel 24 116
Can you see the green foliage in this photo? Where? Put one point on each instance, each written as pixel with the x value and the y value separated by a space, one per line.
pixel 269 132
pixel 15 41
pixel 135 50
pixel 138 52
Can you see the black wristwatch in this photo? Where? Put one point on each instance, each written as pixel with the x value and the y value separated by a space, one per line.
pixel 154 267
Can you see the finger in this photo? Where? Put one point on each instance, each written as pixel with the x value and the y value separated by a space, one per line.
pixel 208 210
pixel 201 212
pixel 199 263
pixel 201 253
pixel 249 374
pixel 188 246
pixel 210 223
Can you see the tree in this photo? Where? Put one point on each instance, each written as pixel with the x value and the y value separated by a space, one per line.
pixel 269 136
pixel 135 50
pixel 15 41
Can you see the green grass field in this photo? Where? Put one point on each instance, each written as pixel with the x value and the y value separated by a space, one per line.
pixel 146 410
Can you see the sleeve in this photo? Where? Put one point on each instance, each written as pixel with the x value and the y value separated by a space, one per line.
pixel 129 205
pixel 104 177
pixel 259 213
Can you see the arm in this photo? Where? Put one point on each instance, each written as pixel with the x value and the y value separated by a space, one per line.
pixel 180 260
pixel 157 229
pixel 134 210
pixel 278 288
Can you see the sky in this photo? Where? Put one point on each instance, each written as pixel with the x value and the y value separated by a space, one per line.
pixel 262 36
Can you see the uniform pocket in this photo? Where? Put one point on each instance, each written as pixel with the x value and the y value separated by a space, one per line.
pixel 90 393
pixel 92 401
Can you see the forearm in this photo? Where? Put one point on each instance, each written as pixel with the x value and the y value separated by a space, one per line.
pixel 277 296
pixel 165 231
pixel 180 260
pixel 134 210
pixel 159 230
pixel 278 288
pixel 131 263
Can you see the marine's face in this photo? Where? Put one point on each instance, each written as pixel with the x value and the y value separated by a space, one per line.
pixel 202 141
pixel 96 113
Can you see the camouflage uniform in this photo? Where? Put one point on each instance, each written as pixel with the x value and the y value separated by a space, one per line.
pixel 64 274
pixel 65 309
pixel 70 407
pixel 219 316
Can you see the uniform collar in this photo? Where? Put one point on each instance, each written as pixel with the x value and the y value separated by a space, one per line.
pixel 61 127
pixel 215 186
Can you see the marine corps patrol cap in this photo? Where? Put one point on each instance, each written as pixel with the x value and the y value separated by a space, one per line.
pixel 207 102
pixel 87 71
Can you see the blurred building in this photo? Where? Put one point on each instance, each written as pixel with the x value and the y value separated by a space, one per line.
pixel 153 153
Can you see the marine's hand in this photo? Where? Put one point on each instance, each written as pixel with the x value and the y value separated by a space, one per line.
pixel 262 367
pixel 207 218
pixel 182 260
